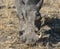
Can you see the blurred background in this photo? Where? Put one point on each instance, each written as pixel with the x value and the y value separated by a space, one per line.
pixel 9 23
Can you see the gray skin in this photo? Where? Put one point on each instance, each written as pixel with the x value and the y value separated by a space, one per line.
pixel 27 11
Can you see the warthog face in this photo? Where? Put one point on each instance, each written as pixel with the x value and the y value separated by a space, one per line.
pixel 28 11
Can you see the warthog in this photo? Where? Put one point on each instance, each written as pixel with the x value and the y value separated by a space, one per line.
pixel 28 12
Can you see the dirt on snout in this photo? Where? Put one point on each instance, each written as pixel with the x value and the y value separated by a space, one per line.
pixel 9 36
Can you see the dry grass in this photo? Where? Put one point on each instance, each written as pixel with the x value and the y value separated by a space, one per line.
pixel 9 24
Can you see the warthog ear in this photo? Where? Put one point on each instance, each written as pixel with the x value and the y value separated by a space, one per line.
pixel 39 5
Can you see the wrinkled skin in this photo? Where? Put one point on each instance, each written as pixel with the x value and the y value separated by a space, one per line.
pixel 28 13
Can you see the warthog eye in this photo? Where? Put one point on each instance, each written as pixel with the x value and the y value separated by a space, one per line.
pixel 37 14
pixel 21 33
